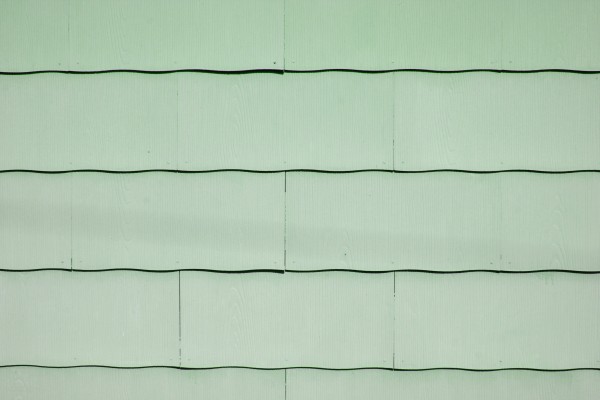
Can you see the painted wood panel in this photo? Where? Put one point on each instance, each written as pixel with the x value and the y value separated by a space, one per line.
pixel 85 35
pixel 443 221
pixel 59 318
pixel 231 121
pixel 114 121
pixel 333 121
pixel 450 35
pixel 339 121
pixel 164 221
pixel 196 121
pixel 331 320
pixel 271 122
pixel 145 384
pixel 35 221
pixel 482 320
pixel 442 384
pixel 34 35
pixel 488 121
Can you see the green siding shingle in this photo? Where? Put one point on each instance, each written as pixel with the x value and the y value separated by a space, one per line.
pixel 34 35
pixel 233 221
pixel 144 384
pixel 442 35
pixel 299 221
pixel 59 318
pixel 35 221
pixel 196 121
pixel 486 321
pixel 107 121
pixel 163 221
pixel 91 35
pixel 329 320
pixel 488 121
pixel 325 320
pixel 157 221
pixel 451 385
pixel 443 221
pixel 235 35
pixel 333 121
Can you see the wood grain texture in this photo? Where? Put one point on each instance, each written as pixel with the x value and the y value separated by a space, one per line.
pixel 483 321
pixel 146 384
pixel 443 221
pixel 332 121
pixel 331 320
pixel 110 121
pixel 458 385
pixel 85 35
pixel 164 221
pixel 227 121
pixel 35 221
pixel 34 35
pixel 339 121
pixel 487 121
pixel 234 35
pixel 59 318
pixel 451 35
pixel 195 121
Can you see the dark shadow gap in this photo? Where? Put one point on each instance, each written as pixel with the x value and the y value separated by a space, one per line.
pixel 306 170
pixel 310 71
pixel 304 367
pixel 313 271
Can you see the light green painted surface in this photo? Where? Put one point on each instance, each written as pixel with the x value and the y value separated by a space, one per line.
pixel 339 121
pixel 335 320
pixel 230 121
pixel 34 35
pixel 108 121
pixel 366 221
pixel 334 121
pixel 59 318
pixel 451 385
pixel 222 221
pixel 443 35
pixel 550 221
pixel 237 221
pixel 95 383
pixel 330 121
pixel 328 320
pixel 196 121
pixel 141 34
pixel 443 221
pixel 482 320
pixel 540 34
pixel 35 221
pixel 487 121
pixel 234 35
pixel 146 384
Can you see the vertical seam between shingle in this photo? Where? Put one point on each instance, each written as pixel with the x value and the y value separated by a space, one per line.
pixel 283 68
pixel 394 327
pixel 393 124
pixel 284 221
pixel 177 124
pixel 71 222
pixel 179 308
pixel 285 384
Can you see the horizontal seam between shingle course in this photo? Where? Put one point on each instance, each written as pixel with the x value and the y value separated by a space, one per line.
pixel 310 271
pixel 303 170
pixel 307 71
pixel 301 368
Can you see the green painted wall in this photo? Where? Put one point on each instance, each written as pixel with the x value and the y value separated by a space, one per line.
pixel 260 284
